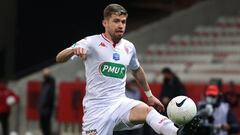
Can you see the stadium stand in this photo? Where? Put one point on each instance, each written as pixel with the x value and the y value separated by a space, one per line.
pixel 208 50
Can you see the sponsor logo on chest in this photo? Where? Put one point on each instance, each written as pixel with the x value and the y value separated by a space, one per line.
pixel 114 70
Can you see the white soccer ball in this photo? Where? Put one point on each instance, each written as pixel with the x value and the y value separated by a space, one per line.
pixel 181 110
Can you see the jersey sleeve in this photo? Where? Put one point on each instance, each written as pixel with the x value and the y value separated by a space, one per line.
pixel 83 43
pixel 134 63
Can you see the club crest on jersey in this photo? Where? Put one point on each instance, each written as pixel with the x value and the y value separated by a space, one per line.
pixel 114 70
pixel 116 56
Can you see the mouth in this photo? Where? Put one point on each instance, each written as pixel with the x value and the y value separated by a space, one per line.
pixel 119 32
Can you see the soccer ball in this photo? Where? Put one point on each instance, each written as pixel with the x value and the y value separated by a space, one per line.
pixel 181 110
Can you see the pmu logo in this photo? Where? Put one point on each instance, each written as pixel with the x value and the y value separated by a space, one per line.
pixel 114 70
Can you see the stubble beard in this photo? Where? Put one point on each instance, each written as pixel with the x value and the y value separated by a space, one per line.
pixel 116 38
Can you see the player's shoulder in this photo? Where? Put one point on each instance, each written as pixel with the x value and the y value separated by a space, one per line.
pixel 128 43
pixel 91 37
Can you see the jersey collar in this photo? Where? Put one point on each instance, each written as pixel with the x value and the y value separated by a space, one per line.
pixel 109 41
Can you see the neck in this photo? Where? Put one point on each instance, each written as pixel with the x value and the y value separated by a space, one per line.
pixel 109 37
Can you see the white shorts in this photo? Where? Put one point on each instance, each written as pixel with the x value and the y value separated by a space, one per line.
pixel 103 121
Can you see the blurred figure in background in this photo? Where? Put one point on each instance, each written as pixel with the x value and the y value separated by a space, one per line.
pixel 8 98
pixel 132 90
pixel 218 118
pixel 232 96
pixel 46 101
pixel 171 87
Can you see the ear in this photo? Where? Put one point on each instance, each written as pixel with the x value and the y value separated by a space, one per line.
pixel 104 23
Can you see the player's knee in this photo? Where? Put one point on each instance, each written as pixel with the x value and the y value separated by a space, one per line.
pixel 146 111
pixel 149 109
pixel 140 112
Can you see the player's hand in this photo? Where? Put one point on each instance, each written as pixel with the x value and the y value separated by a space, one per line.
pixel 153 101
pixel 226 126
pixel 80 52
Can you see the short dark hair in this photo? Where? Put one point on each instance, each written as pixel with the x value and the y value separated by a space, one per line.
pixel 114 9
pixel 167 70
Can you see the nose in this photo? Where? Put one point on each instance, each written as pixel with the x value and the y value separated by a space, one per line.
pixel 121 25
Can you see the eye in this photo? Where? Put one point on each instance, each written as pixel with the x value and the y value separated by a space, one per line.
pixel 123 21
pixel 116 20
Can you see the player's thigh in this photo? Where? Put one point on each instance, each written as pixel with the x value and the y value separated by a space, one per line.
pixel 139 113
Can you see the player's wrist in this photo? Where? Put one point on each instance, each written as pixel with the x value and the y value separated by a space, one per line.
pixel 148 93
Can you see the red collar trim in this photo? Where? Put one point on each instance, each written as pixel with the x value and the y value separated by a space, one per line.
pixel 103 36
pixel 109 41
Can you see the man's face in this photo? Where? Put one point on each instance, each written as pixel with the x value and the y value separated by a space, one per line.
pixel 210 99
pixel 115 25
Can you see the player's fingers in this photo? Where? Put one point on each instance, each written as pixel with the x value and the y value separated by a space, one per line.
pixel 83 51
pixel 78 51
pixel 75 51
pixel 163 108
pixel 160 107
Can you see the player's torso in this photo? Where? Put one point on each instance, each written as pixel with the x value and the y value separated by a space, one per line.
pixel 112 60
pixel 106 68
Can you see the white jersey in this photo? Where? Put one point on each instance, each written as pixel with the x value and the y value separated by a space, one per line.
pixel 106 68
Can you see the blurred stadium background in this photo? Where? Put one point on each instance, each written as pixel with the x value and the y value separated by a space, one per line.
pixel 198 39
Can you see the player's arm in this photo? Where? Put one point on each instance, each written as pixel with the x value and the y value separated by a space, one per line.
pixel 67 53
pixel 140 77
